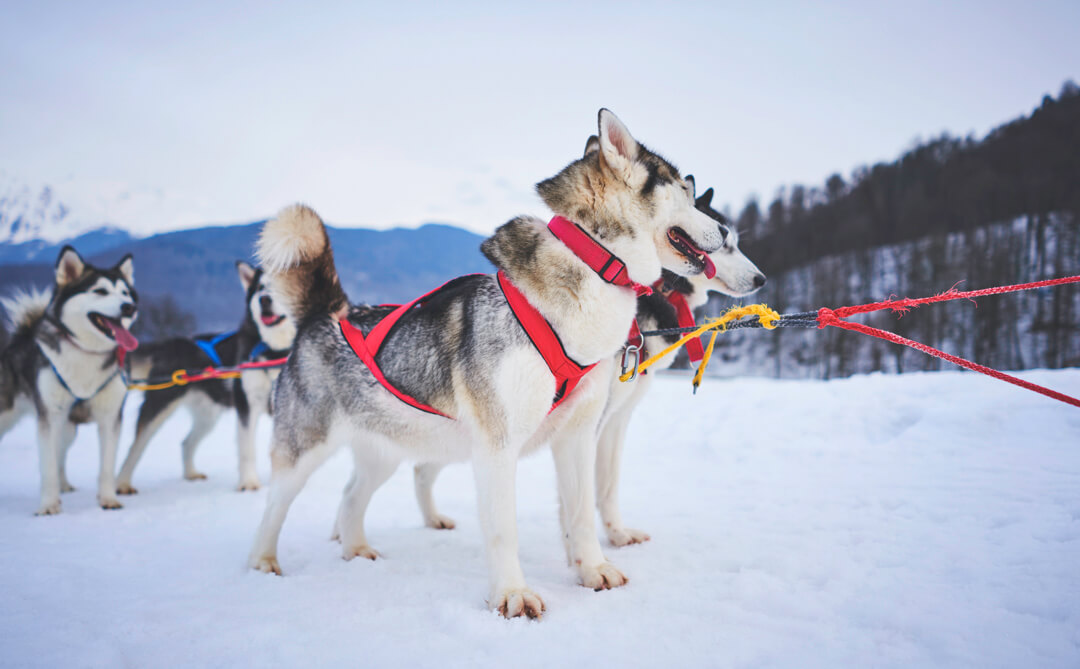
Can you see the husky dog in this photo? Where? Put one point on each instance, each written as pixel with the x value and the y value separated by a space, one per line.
pixel 465 354
pixel 264 334
pixel 64 362
pixel 736 276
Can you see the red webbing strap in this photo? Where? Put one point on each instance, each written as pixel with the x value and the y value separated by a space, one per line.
pixel 685 316
pixel 567 373
pixel 356 340
pixel 599 259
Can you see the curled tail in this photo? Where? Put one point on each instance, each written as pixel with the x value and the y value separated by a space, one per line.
pixel 295 253
pixel 24 309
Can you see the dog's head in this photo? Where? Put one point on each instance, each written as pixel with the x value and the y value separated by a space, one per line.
pixel 274 326
pixel 96 306
pixel 736 275
pixel 635 203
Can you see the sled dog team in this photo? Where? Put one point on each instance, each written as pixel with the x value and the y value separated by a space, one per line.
pixel 485 369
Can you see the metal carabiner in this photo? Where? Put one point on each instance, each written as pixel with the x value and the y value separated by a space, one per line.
pixel 635 350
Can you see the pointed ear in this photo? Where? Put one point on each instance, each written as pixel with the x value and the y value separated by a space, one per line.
pixel 617 145
pixel 592 145
pixel 705 200
pixel 689 179
pixel 69 266
pixel 126 267
pixel 247 274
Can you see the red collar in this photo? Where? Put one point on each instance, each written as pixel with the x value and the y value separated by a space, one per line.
pixel 605 263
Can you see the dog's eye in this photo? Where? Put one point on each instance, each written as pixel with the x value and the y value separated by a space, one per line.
pixel 100 291
pixel 723 233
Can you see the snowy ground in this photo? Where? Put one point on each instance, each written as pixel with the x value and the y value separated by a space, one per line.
pixel 921 520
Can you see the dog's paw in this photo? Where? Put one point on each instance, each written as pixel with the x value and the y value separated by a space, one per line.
pixel 364 551
pixel 248 485
pixel 66 487
pixel 517 602
pixel 267 564
pixel 48 509
pixel 440 522
pixel 126 489
pixel 109 503
pixel 335 535
pixel 198 476
pixel 603 576
pixel 624 536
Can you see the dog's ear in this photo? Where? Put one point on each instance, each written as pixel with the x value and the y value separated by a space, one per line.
pixel 126 267
pixel 705 200
pixel 592 145
pixel 689 179
pixel 247 274
pixel 617 146
pixel 69 266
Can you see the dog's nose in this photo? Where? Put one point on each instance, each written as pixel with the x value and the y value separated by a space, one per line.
pixel 759 280
pixel 127 310
pixel 265 301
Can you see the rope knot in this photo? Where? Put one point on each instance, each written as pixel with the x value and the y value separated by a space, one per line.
pixel 826 317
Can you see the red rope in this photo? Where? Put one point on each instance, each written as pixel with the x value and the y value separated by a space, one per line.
pixel 834 317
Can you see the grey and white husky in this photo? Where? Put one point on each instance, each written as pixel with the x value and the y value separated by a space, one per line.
pixel 736 276
pixel 466 355
pixel 64 362
pixel 264 334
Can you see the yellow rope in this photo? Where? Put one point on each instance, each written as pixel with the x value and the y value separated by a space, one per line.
pixel 767 316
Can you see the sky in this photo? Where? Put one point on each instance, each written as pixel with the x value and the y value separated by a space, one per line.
pixel 166 115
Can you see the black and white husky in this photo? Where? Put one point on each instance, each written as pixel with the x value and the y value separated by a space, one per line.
pixel 736 276
pixel 466 355
pixel 264 334
pixel 65 363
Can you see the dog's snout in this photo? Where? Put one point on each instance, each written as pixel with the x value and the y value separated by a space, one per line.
pixel 265 301
pixel 127 310
pixel 759 280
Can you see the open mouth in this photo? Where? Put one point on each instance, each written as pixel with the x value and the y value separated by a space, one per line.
pixel 680 241
pixel 112 329
pixel 271 320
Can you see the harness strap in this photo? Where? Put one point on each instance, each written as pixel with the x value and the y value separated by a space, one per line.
pixel 78 399
pixel 209 346
pixel 685 317
pixel 259 349
pixel 567 373
pixel 605 263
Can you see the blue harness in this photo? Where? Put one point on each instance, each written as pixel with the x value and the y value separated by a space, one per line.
pixel 78 399
pixel 209 347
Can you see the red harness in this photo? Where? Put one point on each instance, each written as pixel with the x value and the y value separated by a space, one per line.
pixel 685 316
pixel 567 373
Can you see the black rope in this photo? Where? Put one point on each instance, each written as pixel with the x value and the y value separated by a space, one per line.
pixel 804 319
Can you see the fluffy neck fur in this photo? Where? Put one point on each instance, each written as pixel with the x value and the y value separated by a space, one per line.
pixel 83 371
pixel 591 316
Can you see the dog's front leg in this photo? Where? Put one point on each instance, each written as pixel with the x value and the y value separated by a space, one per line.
pixel 495 470
pixel 247 421
pixel 50 436
pixel 574 450
pixel 109 436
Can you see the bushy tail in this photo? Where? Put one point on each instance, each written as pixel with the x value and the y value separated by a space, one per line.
pixel 295 252
pixel 24 309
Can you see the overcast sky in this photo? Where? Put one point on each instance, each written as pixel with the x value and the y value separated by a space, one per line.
pixel 400 113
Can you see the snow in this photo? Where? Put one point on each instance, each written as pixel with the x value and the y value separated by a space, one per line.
pixel 893 521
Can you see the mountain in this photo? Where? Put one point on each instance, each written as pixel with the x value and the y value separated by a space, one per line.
pixel 196 268
pixel 29 213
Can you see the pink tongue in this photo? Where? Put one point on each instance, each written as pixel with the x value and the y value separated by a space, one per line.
pixel 710 268
pixel 124 339
pixel 268 320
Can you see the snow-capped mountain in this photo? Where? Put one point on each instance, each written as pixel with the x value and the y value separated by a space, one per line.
pixel 36 212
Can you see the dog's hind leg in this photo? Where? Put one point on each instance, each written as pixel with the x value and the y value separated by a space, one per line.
pixel 67 437
pixel 424 476
pixel 289 476
pixel 370 472
pixel 335 534
pixel 204 417
pixel 152 415
pixel 608 466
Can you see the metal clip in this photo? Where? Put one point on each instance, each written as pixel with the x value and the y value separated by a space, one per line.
pixel 635 350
